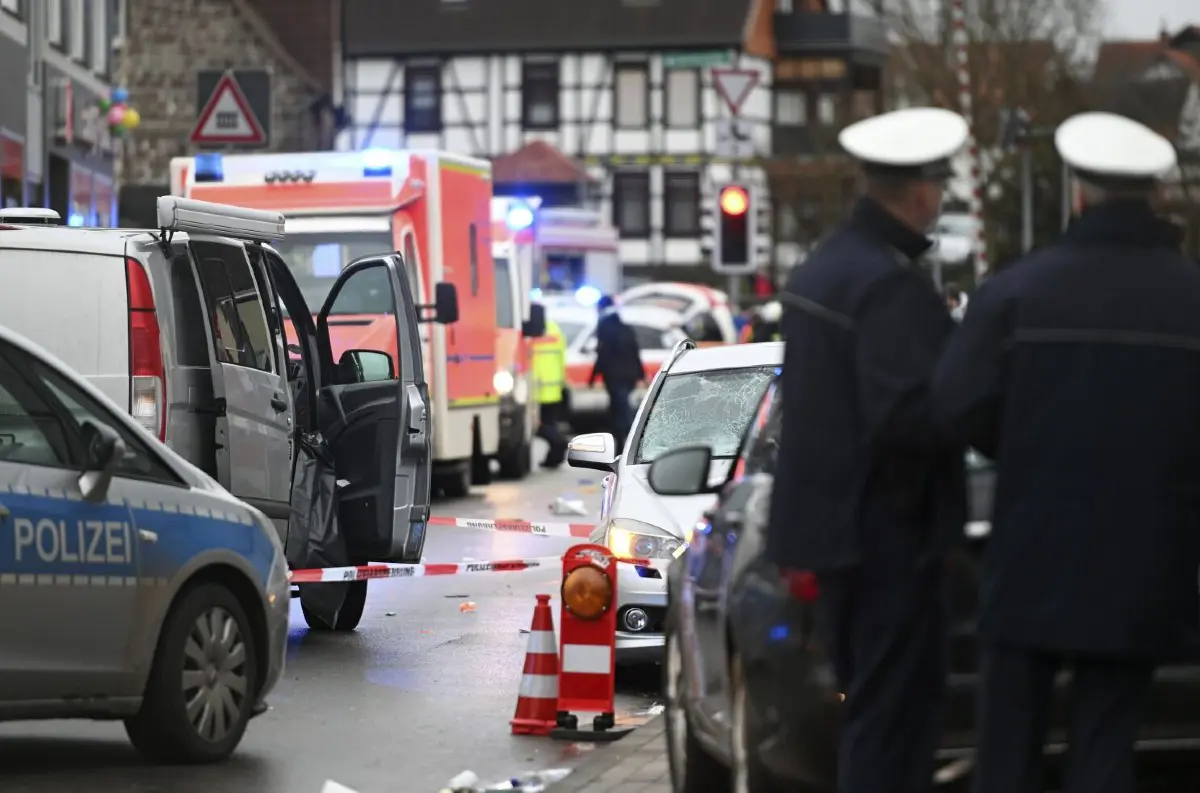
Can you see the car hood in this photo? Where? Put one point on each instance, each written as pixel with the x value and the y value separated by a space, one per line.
pixel 634 500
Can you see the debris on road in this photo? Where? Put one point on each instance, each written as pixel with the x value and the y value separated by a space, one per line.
pixel 563 506
pixel 467 607
pixel 333 787
pixel 529 782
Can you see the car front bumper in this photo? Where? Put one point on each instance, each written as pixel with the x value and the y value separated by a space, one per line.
pixel 645 589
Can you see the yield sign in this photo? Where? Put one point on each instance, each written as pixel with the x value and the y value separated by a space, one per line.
pixel 734 86
pixel 227 117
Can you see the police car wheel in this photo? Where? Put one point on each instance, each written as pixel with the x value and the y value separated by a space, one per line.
pixel 202 688
pixel 693 769
pixel 348 616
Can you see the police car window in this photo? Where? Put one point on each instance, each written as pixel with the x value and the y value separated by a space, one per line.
pixel 367 291
pixel 139 462
pixel 31 432
pixel 240 334
pixel 504 294
pixel 571 330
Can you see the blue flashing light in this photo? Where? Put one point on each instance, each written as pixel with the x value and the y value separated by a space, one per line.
pixel 779 633
pixel 535 293
pixel 209 168
pixel 588 295
pixel 377 162
pixel 75 219
pixel 519 216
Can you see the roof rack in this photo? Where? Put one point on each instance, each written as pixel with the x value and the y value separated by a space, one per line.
pixel 30 216
pixel 204 217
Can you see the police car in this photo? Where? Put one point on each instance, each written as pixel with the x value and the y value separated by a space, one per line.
pixel 132 586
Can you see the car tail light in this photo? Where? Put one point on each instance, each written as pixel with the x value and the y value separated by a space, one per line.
pixel 803 585
pixel 148 395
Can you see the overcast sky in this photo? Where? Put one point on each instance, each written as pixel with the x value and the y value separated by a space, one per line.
pixel 1141 19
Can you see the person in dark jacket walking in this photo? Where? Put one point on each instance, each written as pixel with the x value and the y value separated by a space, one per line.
pixel 619 364
pixel 1077 369
pixel 868 495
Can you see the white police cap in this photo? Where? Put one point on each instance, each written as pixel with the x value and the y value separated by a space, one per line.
pixel 913 143
pixel 1102 147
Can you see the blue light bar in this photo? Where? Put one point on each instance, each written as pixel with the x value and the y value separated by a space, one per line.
pixel 209 167
pixel 587 295
pixel 519 216
pixel 377 162
pixel 75 219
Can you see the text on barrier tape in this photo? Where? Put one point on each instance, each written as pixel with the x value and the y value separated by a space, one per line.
pixel 368 572
pixel 578 530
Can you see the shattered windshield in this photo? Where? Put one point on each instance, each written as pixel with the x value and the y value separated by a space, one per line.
pixel 703 408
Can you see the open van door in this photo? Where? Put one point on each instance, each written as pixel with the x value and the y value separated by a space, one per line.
pixel 374 414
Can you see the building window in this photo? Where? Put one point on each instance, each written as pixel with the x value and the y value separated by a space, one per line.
pixel 791 107
pixel 54 22
pixel 77 19
pixel 423 99
pixel 539 96
pixel 827 109
pixel 11 6
pixel 632 99
pixel 683 98
pixel 631 204
pixel 682 205
pixel 101 43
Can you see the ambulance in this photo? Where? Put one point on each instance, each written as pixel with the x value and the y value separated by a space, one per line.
pixel 432 207
pixel 576 252
pixel 518 320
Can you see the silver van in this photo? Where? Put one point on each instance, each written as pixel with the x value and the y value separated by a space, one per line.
pixel 201 332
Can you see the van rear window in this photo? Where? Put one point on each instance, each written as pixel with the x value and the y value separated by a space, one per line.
pixel 190 339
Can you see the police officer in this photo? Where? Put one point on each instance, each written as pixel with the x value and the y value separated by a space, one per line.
pixel 1078 370
pixel 550 378
pixel 867 494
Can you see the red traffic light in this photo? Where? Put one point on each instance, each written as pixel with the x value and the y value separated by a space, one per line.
pixel 734 200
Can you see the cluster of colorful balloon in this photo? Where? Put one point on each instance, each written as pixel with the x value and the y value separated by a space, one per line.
pixel 121 117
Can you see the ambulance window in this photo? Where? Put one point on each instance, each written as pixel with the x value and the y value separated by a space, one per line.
pixel 504 294
pixel 474 260
pixel 240 332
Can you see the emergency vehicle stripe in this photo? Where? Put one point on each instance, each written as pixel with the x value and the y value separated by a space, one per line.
pixel 589 659
pixel 465 402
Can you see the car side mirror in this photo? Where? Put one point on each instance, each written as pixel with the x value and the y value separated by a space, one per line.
pixel 105 451
pixel 445 304
pixel 596 451
pixel 535 326
pixel 365 366
pixel 682 472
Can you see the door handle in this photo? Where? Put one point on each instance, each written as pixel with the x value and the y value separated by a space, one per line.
pixel 148 536
pixel 279 403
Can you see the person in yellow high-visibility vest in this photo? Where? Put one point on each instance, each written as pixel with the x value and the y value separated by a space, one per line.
pixel 549 380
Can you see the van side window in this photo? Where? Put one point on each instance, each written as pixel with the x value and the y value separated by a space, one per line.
pixel 192 344
pixel 240 331
pixel 366 291
pixel 474 243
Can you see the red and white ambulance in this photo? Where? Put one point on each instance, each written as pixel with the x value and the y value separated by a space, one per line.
pixel 431 206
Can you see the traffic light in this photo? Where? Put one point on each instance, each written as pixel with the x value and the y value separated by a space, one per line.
pixel 733 249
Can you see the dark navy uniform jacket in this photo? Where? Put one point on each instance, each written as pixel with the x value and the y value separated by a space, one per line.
pixel 1078 371
pixel 862 472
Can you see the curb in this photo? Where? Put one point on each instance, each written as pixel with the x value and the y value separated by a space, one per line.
pixel 638 759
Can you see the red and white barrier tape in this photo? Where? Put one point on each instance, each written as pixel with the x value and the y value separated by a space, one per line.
pixel 576 530
pixel 368 572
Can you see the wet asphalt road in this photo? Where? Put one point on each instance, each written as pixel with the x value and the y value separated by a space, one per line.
pixel 421 691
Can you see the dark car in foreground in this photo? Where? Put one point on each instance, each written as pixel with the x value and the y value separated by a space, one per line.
pixel 752 702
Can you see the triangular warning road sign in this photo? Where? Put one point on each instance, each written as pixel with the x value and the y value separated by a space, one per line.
pixel 227 117
pixel 734 86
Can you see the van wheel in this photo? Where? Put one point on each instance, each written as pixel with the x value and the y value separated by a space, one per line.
pixel 516 463
pixel 204 682
pixel 348 616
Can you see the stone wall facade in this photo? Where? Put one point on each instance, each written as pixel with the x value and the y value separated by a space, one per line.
pixel 168 42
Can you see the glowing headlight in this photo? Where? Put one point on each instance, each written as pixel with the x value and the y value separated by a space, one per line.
pixel 503 383
pixel 626 541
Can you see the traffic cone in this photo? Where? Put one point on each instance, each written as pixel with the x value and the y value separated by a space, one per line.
pixel 537 702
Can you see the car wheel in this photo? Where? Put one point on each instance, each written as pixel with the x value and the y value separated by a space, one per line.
pixel 749 775
pixel 348 616
pixel 202 688
pixel 693 769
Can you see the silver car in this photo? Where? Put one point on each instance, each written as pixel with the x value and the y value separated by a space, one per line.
pixel 132 586
pixel 701 396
